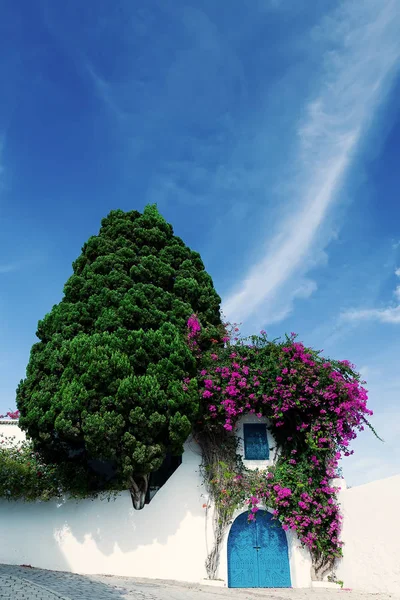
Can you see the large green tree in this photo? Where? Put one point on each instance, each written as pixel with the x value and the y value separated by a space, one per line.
pixel 104 384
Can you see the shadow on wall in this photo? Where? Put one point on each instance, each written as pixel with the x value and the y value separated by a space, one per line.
pixel 103 536
pixel 117 523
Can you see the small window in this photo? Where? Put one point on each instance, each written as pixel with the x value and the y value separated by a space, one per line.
pixel 255 441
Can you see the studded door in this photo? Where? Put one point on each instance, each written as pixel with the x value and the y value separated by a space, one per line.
pixel 272 553
pixel 257 553
pixel 242 556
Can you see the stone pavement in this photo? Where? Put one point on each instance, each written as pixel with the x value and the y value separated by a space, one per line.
pixel 23 583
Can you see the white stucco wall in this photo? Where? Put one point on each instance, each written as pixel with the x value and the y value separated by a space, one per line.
pixel 171 537
pixel 10 432
pixel 371 533
pixel 164 540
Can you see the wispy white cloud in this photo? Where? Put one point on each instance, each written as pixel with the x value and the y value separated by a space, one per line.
pixel 355 82
pixel 384 315
pixel 9 268
pixel 367 371
pixel 104 91
pixel 23 263
pixel 390 314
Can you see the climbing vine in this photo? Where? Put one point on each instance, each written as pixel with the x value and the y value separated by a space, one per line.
pixel 315 407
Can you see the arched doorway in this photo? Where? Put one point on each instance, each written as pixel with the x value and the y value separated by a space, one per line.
pixel 258 553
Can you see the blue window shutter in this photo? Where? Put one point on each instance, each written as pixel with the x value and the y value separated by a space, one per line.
pixel 255 441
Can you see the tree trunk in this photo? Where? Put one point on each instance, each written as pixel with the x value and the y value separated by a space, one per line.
pixel 138 490
pixel 213 558
pixel 320 567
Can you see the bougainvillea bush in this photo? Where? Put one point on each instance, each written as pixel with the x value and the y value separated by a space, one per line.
pixel 315 408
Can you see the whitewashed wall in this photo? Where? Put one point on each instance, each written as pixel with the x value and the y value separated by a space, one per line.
pixel 371 532
pixel 170 537
pixel 164 540
pixel 10 432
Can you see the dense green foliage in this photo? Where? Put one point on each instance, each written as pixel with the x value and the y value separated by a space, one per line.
pixel 104 382
pixel 25 476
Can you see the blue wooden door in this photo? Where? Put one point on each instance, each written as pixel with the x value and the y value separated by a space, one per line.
pixel 257 553
pixel 272 552
pixel 242 556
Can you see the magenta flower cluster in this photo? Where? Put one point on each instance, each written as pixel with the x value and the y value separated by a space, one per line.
pixel 315 408
pixel 194 330
pixel 12 414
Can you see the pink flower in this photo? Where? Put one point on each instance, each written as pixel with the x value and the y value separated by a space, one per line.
pixel 193 324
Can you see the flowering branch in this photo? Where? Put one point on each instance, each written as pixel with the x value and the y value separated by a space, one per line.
pixel 14 415
pixel 315 408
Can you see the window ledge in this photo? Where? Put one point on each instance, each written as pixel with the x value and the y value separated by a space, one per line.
pixel 257 464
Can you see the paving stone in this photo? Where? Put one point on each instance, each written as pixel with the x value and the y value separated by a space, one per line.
pixel 22 583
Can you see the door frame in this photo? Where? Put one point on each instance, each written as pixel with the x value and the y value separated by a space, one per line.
pixel 299 558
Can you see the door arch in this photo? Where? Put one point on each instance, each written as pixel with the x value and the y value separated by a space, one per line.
pixel 258 553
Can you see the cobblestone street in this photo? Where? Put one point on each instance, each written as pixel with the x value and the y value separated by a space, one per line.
pixel 23 583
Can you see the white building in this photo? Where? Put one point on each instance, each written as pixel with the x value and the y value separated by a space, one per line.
pixel 172 536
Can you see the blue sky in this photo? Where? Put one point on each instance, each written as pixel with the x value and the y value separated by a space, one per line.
pixel 268 134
